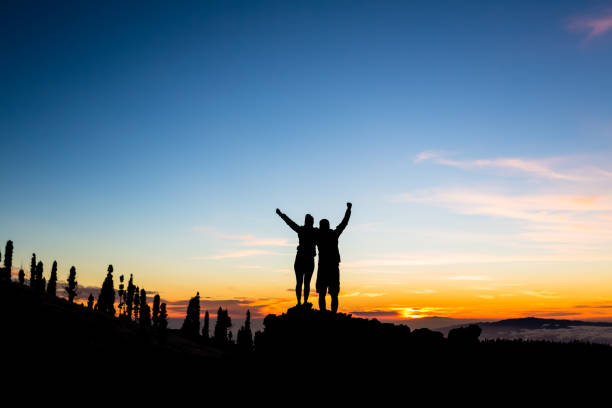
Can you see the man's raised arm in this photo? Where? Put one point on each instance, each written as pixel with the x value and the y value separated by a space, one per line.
pixel 288 220
pixel 345 220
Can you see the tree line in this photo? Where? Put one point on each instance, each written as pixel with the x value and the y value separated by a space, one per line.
pixel 132 303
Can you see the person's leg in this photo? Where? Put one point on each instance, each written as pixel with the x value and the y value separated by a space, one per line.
pixel 334 288
pixel 307 276
pixel 322 305
pixel 334 302
pixel 299 277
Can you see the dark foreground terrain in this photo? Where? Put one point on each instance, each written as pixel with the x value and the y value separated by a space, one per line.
pixel 47 337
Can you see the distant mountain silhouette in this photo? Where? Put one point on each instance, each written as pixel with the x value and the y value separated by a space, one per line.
pixel 537 323
pixel 531 323
pixel 533 328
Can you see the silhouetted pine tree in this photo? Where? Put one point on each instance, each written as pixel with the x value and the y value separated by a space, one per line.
pixel 191 325
pixel 33 272
pixel 8 261
pixel 90 302
pixel 224 322
pixel 130 297
pixel 52 285
pixel 163 317
pixel 145 311
pixel 155 316
pixel 145 315
pixel 72 284
pixel 206 329
pixel 40 281
pixel 106 299
pixel 21 277
pixel 136 303
pixel 121 294
pixel 244 339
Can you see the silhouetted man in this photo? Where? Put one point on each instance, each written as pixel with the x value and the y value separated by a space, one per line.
pixel 328 274
pixel 304 260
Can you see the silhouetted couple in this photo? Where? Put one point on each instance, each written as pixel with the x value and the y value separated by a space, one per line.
pixel 328 272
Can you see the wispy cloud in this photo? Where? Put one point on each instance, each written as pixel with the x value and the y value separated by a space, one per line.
pixel 423 291
pixel 540 293
pixel 594 26
pixel 537 168
pixel 246 239
pixel 469 278
pixel 233 254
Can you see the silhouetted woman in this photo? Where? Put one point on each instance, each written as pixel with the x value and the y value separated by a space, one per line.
pixel 306 252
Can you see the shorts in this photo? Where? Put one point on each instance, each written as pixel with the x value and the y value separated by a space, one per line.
pixel 328 279
pixel 304 267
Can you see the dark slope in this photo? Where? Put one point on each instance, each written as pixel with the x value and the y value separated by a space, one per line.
pixel 47 331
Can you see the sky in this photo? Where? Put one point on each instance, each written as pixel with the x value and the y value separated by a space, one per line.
pixel 473 138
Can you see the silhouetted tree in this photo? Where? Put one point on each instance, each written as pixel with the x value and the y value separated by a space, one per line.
pixel 191 325
pixel 121 293
pixel 145 315
pixel 72 284
pixel 106 299
pixel 130 297
pixel 155 316
pixel 21 277
pixel 136 303
pixel 52 285
pixel 38 276
pixel 163 317
pixel 33 272
pixel 244 339
pixel 8 261
pixel 145 311
pixel 224 322
pixel 206 329
pixel 90 302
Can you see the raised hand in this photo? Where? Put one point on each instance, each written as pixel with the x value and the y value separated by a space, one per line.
pixel 349 205
pixel 278 211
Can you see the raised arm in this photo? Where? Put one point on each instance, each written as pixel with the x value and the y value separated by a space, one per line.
pixel 345 220
pixel 288 220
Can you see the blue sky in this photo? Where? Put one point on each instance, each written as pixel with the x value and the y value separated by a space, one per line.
pixel 157 136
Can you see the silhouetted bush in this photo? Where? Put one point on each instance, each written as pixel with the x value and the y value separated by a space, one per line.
pixel 465 335
pixel 21 277
pixel 52 285
pixel 191 325
pixel 106 299
pixel 90 302
pixel 72 284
